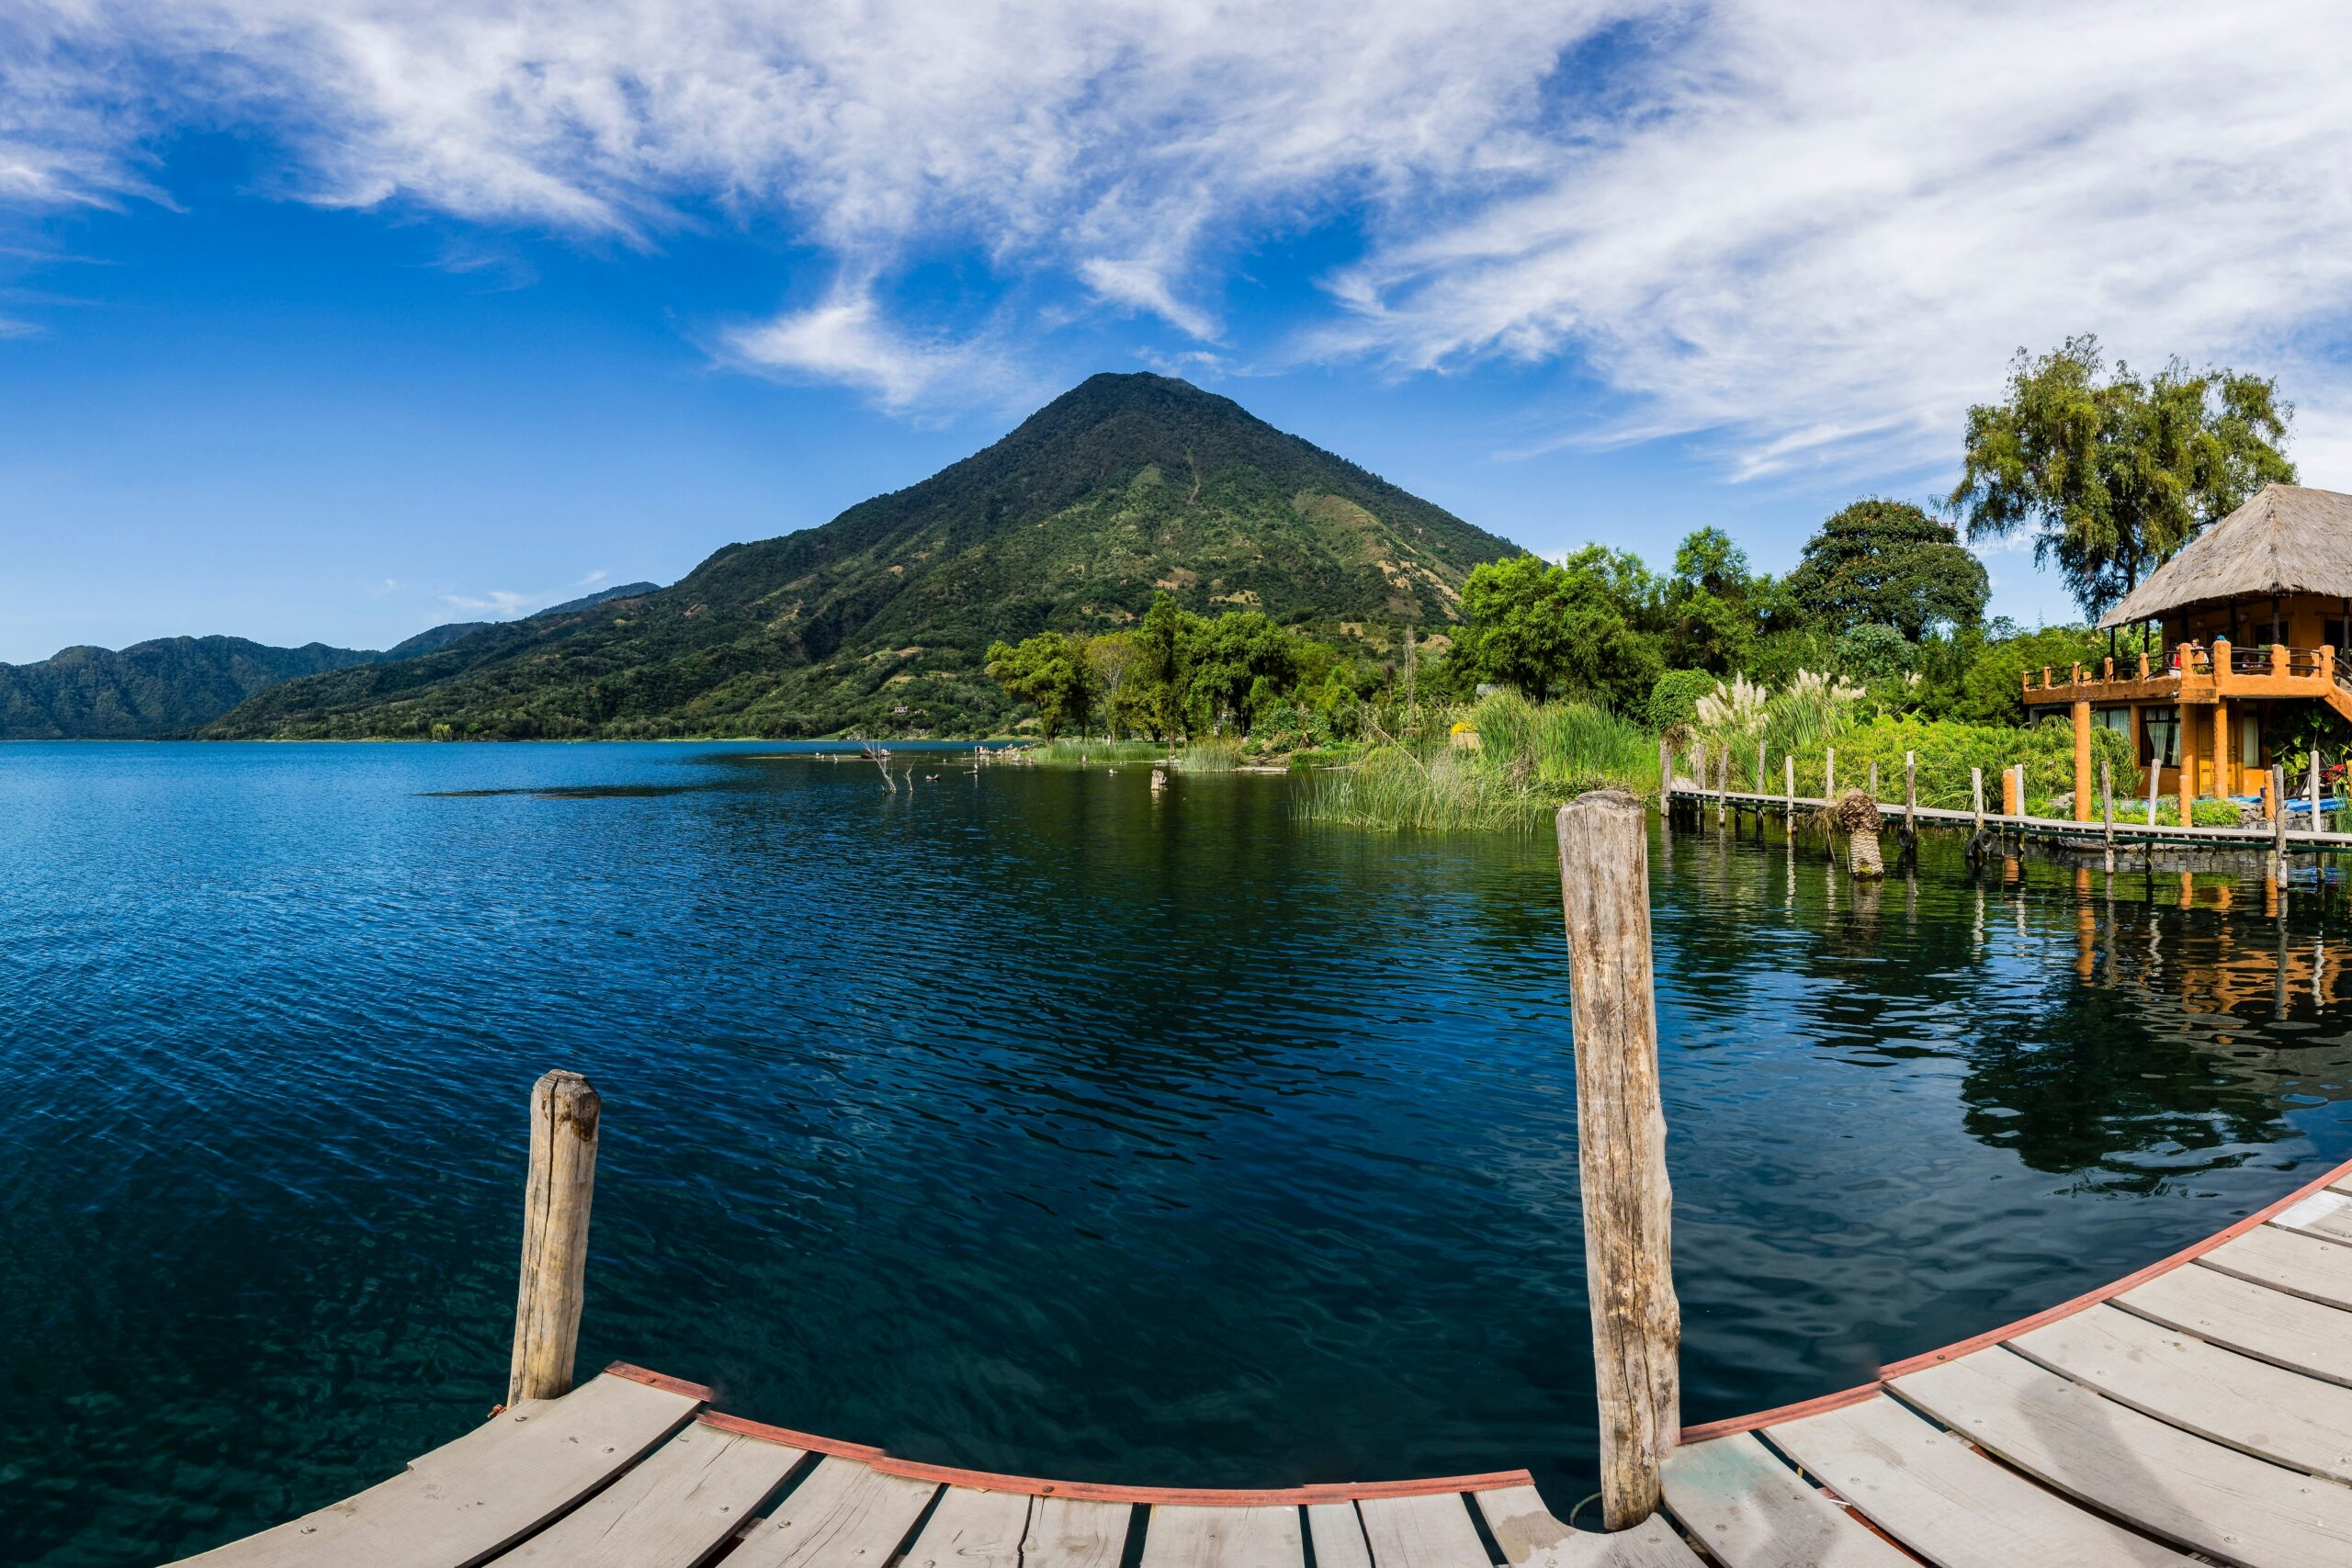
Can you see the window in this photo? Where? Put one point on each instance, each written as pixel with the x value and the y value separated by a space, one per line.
pixel 2250 740
pixel 2332 632
pixel 2159 738
pixel 2116 719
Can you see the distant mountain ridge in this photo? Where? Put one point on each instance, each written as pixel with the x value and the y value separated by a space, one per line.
pixel 881 619
pixel 178 684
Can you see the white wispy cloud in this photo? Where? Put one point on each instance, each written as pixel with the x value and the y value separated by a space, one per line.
pixel 1810 232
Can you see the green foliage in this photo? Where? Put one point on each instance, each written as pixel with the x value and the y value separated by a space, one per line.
pixel 1120 488
pixel 2115 474
pixel 1886 563
pixel 1530 757
pixel 1947 751
pixel 1585 626
pixel 1990 690
pixel 1875 654
pixel 1051 672
pixel 1675 695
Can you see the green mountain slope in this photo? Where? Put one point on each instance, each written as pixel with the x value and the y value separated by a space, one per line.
pixel 173 685
pixel 1121 485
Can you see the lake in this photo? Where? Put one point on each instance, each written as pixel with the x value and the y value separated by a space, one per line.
pixel 1019 1118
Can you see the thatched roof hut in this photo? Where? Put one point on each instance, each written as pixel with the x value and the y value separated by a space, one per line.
pixel 2287 539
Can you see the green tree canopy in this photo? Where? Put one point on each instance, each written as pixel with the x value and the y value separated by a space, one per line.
pixel 1051 670
pixel 1586 626
pixel 2115 474
pixel 1716 610
pixel 1888 563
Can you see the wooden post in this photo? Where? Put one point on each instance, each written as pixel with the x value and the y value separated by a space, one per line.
pixel 2314 828
pixel 2187 758
pixel 1873 778
pixel 2278 825
pixel 1620 1139
pixel 1829 775
pixel 1911 793
pixel 1976 795
pixel 2082 760
pixel 1789 763
pixel 1665 774
pixel 1723 785
pixel 2106 809
pixel 2012 792
pixel 1760 767
pixel 564 1113
pixel 2155 777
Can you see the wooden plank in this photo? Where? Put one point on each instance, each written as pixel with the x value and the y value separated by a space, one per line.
pixel 2269 1324
pixel 1531 1537
pixel 671 1511
pixel 2171 1484
pixel 2201 1388
pixel 1940 1498
pixel 2293 1262
pixel 844 1516
pixel 1184 1536
pixel 1749 1510
pixel 973 1530
pixel 1433 1532
pixel 1070 1532
pixel 1337 1535
pixel 467 1501
pixel 2327 1214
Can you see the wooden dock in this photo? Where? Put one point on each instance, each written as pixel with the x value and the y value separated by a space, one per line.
pixel 2197 1411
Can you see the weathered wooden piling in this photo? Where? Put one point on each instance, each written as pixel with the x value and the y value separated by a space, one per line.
pixel 1911 795
pixel 1976 796
pixel 1723 785
pixel 565 1110
pixel 2279 821
pixel 2156 772
pixel 1789 765
pixel 1664 776
pixel 1620 1137
pixel 1759 769
pixel 1829 774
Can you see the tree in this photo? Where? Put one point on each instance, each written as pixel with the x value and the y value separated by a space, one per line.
pixel 1888 563
pixel 2115 475
pixel 1051 670
pixel 1712 605
pixel 1584 625
pixel 1230 654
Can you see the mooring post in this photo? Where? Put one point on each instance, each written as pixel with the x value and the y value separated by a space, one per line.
pixel 1789 763
pixel 1665 774
pixel 1911 795
pixel 1829 776
pixel 1873 778
pixel 2106 809
pixel 2278 824
pixel 2155 776
pixel 1760 767
pixel 564 1115
pixel 2314 828
pixel 1723 785
pixel 1620 1137
pixel 1976 796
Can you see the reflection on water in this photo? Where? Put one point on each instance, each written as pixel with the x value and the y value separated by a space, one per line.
pixel 1025 1119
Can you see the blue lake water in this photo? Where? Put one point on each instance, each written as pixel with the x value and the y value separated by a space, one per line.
pixel 1019 1118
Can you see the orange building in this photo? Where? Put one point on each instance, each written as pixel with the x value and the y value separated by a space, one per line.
pixel 2254 613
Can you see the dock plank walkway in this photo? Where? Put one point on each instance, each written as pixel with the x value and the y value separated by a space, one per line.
pixel 2199 1410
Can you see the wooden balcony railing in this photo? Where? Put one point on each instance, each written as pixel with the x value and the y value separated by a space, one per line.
pixel 2270 670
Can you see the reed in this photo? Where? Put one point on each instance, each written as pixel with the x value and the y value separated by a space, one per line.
pixel 1530 758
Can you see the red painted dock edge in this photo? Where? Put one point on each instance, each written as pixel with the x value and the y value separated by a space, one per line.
pixel 1844 1397
pixel 1086 1491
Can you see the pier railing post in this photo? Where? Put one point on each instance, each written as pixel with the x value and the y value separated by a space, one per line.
pixel 565 1111
pixel 2277 824
pixel 1620 1137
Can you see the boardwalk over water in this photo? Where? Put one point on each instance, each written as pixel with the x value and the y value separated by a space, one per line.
pixel 2198 1410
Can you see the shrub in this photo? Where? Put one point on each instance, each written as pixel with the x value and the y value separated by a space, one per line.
pixel 1676 696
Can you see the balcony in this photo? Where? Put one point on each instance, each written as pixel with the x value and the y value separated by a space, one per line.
pixel 2195 675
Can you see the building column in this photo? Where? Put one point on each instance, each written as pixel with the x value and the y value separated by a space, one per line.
pixel 2223 775
pixel 2082 760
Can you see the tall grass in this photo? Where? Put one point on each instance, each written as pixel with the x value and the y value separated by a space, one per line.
pixel 1530 758
pixel 1086 753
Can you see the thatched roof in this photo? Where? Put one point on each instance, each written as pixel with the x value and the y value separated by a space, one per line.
pixel 2287 539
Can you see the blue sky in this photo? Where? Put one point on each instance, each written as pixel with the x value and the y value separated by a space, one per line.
pixel 335 320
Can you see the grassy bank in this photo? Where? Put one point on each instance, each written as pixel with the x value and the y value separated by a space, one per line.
pixel 1527 760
